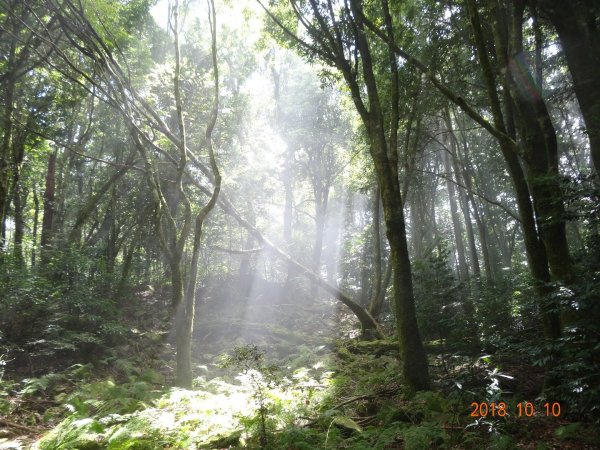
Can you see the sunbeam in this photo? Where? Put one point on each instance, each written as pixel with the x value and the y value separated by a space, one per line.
pixel 299 225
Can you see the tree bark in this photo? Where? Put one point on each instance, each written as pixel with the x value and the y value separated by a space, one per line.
pixel 186 314
pixel 376 297
pixel 128 253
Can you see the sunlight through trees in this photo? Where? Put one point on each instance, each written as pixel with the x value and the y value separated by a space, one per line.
pixel 299 224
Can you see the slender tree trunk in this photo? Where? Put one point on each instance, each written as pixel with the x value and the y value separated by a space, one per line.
pixel 19 199
pixel 288 213
pixel 376 297
pixel 7 137
pixel 417 226
pixel 48 218
pixel 65 162
pixel 484 242
pixel 93 202
pixel 318 246
pixel 481 226
pixel 387 277
pixel 183 305
pixel 464 204
pixel 111 241
pixel 466 195
pixel 383 148
pixel 245 274
pixel 128 252
pixel 36 216
pixel 463 271
pixel 183 345
pixel 186 313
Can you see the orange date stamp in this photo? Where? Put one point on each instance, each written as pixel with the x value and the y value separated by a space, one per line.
pixel 522 409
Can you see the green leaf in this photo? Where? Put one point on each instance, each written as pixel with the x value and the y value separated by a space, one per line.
pixel 347 422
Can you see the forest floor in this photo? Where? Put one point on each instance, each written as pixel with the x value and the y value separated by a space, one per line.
pixel 300 384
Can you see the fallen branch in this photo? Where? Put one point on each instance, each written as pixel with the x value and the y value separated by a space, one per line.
pixel 365 397
pixel 10 424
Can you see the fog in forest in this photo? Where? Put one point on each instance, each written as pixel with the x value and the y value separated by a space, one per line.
pixel 299 224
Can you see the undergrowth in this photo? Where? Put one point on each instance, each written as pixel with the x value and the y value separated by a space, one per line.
pixel 353 398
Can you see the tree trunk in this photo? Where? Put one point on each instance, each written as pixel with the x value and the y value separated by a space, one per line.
pixel 186 311
pixel 540 146
pixel 577 27
pixel 128 252
pixel 384 154
pixel 5 149
pixel 48 219
pixel 183 375
pixel 481 228
pixel 36 216
pixel 93 202
pixel 376 297
pixel 466 196
pixel 19 199
pixel 245 273
pixel 318 246
pixel 288 213
pixel 535 250
pixel 111 238
pixel 463 271
pixel 415 368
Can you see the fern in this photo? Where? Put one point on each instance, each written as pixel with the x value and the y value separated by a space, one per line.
pixel 74 433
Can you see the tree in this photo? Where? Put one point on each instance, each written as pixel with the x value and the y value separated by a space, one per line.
pixel 544 213
pixel 577 28
pixel 339 38
pixel 20 79
pixel 174 219
pixel 543 218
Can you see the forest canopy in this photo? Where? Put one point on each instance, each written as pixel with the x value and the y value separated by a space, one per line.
pixel 299 224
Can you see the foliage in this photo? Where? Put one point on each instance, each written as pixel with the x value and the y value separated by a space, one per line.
pixel 362 406
pixel 57 313
pixel 442 309
pixel 261 377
